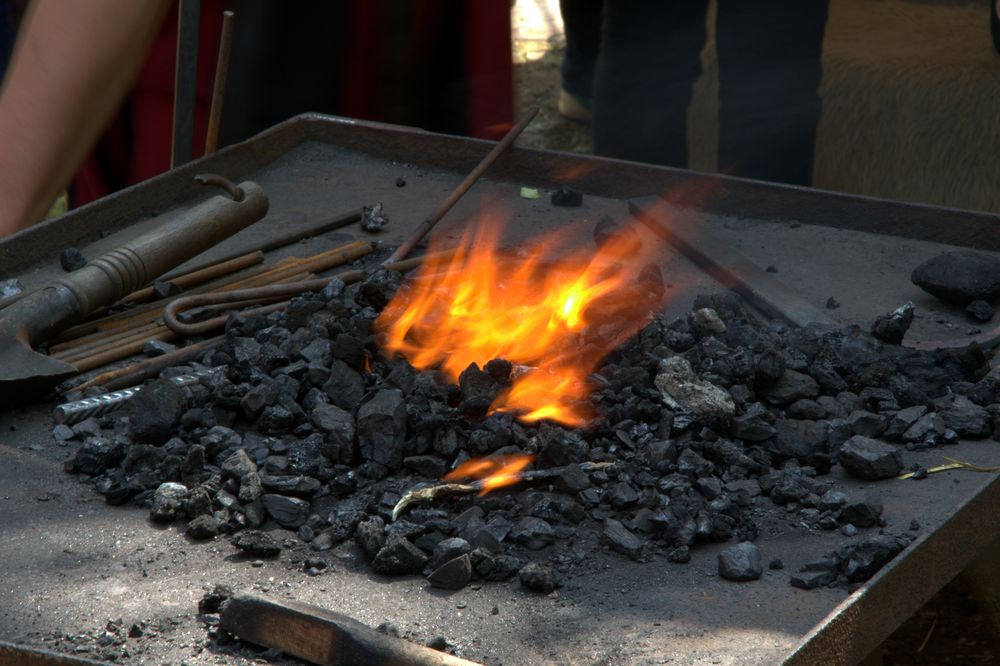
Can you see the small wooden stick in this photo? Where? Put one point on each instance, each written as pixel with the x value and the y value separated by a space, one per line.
pixel 131 375
pixel 219 88
pixel 403 250
pixel 320 636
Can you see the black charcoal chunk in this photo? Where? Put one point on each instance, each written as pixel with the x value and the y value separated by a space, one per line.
pixel 337 427
pixel 538 577
pixel 566 197
pixel 290 512
pixel 381 428
pixel 256 543
pixel 203 527
pixel 870 459
pixel 167 501
pixel 532 533
pixel 979 311
pixel 810 580
pixel 740 562
pixel 157 348
pixel 965 417
pixel 71 259
pixel 892 327
pixel 861 511
pixel 790 387
pixel 399 557
pixel 621 539
pixel 960 277
pixel 155 412
pixel 453 574
pixel 861 560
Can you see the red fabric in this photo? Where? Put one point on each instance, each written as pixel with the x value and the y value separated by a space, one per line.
pixel 138 144
pixel 488 67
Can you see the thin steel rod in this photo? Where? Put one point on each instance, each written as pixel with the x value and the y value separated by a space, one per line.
pixel 403 250
pixel 219 87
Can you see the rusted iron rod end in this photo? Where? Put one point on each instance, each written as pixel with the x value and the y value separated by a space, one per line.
pixel 403 250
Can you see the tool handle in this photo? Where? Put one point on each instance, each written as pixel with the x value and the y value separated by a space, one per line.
pixel 121 271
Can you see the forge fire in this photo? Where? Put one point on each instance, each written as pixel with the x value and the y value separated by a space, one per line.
pixel 373 418
pixel 553 314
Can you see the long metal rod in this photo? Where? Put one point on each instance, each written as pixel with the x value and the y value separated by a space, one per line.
pixel 403 250
pixel 185 81
pixel 219 87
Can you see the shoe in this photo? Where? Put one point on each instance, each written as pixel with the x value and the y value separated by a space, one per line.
pixel 574 108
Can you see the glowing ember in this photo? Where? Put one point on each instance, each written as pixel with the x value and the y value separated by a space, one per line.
pixel 553 313
pixel 492 473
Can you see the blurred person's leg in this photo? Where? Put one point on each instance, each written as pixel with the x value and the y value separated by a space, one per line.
pixel 648 63
pixel 582 24
pixel 769 76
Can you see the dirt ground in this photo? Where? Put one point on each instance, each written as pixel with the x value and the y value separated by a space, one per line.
pixel 909 94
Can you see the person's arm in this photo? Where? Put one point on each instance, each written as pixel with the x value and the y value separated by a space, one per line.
pixel 73 62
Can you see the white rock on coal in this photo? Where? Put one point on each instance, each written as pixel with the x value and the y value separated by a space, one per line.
pixel 167 501
pixel 892 327
pixel 870 459
pixel 708 319
pixel 960 277
pixel 683 390
pixel 740 562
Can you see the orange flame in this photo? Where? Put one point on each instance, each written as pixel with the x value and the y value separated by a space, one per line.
pixel 555 314
pixel 493 473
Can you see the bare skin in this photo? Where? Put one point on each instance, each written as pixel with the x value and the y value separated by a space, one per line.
pixel 73 63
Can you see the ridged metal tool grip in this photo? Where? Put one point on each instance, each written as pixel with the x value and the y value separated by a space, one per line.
pixel 133 265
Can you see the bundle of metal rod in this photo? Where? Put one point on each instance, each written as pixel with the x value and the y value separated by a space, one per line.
pixel 73 412
pixel 137 372
pixel 125 334
pixel 192 278
pixel 242 297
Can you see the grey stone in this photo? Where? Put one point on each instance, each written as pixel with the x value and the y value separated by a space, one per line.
pixel 250 487
pixel 960 277
pixel 382 428
pixel 870 459
pixel 453 574
pixel 287 511
pixel 979 311
pixel 167 501
pixel 62 433
pixel 684 390
pixel 157 348
pixel 370 534
pixel 740 562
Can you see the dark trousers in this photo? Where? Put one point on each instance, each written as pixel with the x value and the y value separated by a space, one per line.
pixel 769 73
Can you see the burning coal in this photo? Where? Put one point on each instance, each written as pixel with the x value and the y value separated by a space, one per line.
pixel 551 311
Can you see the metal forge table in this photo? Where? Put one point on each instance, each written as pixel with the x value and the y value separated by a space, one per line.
pixel 70 562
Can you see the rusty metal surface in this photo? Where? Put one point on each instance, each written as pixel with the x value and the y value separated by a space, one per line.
pixel 616 611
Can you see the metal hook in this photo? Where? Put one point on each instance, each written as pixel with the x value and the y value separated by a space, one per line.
pixel 220 181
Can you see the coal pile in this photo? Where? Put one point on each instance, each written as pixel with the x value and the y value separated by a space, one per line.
pixel 709 420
